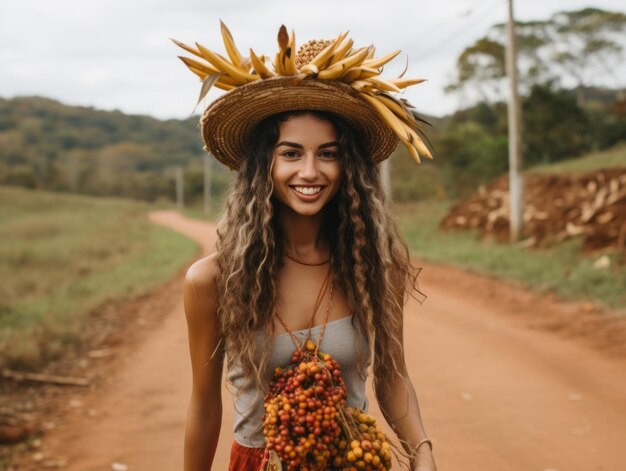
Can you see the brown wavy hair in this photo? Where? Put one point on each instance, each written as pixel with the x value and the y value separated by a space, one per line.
pixel 370 260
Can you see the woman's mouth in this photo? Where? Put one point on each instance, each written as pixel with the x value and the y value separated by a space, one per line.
pixel 307 193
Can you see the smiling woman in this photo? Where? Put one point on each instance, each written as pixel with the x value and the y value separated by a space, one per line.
pixel 306 172
pixel 305 293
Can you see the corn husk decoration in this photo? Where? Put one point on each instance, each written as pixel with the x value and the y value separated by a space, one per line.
pixel 320 60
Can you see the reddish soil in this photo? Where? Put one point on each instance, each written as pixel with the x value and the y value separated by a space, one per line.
pixel 556 207
pixel 506 380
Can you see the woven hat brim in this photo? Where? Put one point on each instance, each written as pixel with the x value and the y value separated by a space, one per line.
pixel 229 120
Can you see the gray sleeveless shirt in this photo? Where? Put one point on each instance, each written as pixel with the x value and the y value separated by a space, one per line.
pixel 342 340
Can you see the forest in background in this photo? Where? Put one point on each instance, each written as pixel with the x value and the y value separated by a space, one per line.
pixel 567 112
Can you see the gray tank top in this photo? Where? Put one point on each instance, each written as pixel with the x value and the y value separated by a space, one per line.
pixel 340 341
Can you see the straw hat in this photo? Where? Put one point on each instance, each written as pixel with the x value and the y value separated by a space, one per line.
pixel 325 75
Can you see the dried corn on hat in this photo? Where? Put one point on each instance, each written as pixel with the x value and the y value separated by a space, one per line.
pixel 324 75
pixel 229 120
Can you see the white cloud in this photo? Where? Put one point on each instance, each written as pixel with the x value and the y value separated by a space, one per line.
pixel 115 54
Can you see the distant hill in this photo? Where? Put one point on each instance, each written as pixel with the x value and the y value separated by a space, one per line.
pixel 46 144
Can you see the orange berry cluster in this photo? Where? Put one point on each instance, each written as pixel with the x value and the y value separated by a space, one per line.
pixel 301 423
pixel 307 425
pixel 369 449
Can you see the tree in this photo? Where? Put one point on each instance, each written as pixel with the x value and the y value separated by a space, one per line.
pixel 568 47
pixel 480 65
pixel 557 128
pixel 586 43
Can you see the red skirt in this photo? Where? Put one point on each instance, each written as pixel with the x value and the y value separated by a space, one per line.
pixel 243 458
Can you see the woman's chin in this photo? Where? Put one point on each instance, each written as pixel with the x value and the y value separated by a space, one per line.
pixel 298 208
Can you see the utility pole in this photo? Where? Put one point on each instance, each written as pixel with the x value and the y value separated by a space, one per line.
pixel 179 187
pixel 516 184
pixel 207 184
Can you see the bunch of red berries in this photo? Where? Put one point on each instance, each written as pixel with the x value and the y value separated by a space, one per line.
pixel 302 411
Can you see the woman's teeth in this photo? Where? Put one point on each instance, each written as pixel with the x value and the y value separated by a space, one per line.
pixel 305 190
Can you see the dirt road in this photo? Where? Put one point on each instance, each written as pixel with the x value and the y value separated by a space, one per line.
pixel 506 380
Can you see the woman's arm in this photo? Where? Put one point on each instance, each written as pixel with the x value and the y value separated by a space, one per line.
pixel 204 414
pixel 398 404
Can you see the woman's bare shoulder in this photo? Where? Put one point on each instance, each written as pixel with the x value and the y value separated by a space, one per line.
pixel 202 274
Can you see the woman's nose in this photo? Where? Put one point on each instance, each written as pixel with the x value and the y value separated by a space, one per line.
pixel 309 168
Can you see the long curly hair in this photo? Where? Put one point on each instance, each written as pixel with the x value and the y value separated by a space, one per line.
pixel 370 261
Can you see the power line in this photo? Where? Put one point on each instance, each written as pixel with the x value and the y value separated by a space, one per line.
pixel 456 35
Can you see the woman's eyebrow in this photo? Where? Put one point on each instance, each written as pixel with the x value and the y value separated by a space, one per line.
pixel 300 146
pixel 290 144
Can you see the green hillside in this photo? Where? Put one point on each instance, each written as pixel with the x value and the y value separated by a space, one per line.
pixel 45 144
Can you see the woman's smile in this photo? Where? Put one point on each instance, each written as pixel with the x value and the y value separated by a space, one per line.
pixel 307 193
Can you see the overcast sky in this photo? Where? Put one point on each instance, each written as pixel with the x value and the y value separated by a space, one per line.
pixel 115 54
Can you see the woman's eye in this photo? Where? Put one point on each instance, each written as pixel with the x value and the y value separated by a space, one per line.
pixel 290 153
pixel 329 154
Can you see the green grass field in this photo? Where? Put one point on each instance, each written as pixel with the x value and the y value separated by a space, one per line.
pixel 215 212
pixel 609 158
pixel 64 255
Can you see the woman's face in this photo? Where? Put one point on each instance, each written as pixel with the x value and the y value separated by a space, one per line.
pixel 307 167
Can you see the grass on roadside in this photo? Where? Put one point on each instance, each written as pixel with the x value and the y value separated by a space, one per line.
pixel 64 255
pixel 196 212
pixel 609 158
pixel 195 209
pixel 560 269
